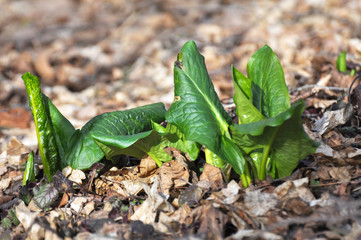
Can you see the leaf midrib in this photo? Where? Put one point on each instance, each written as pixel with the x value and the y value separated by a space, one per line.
pixel 218 115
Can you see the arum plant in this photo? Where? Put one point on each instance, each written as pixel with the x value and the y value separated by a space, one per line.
pixel 60 145
pixel 269 137
pixel 198 112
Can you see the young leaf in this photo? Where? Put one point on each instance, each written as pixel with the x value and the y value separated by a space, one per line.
pixel 281 138
pixel 62 127
pixel 29 174
pixel 245 110
pixel 44 128
pixel 136 145
pixel 268 86
pixel 173 137
pixel 341 62
pixel 150 142
pixel 196 109
pixel 84 152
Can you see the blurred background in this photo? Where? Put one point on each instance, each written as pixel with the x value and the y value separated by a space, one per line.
pixel 94 56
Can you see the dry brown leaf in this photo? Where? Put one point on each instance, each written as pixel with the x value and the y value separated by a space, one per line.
pixel 212 222
pixel 155 202
pixel 340 173
pixel 14 118
pixel 173 174
pixel 296 188
pixel 213 175
pixel 297 206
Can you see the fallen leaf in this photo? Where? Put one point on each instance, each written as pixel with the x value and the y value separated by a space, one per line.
pixel 297 206
pixel 340 173
pixel 77 176
pixel 173 174
pixel 25 216
pixel 212 222
pixel 14 118
pixel 5 183
pixel 78 203
pixel 332 119
pixel 213 175
pixel 155 202
pixel 191 195
pixel 295 188
pixel 258 203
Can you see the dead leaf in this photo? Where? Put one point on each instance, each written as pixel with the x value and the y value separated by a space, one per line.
pixel 173 174
pixel 191 195
pixel 340 173
pixel 213 175
pixel 297 206
pixel 296 188
pixel 155 202
pixel 14 118
pixel 25 216
pixel 332 119
pixel 258 203
pixel 64 200
pixel 212 222
pixel 78 203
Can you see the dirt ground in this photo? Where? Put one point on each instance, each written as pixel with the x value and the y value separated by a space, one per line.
pixel 96 56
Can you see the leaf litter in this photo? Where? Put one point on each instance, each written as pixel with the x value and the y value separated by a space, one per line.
pixel 320 199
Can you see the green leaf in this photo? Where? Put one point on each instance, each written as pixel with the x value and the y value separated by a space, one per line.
pixel 196 109
pixel 173 137
pixel 268 86
pixel 150 142
pixel 281 138
pixel 83 150
pixel 45 195
pixel 341 62
pixel 245 110
pixel 124 144
pixel 44 128
pixel 62 127
pixel 29 173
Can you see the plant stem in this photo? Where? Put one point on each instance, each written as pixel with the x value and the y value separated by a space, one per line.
pixel 246 177
pixel 266 150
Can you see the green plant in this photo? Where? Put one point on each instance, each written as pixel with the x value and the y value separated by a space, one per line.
pixel 61 145
pixel 341 64
pixel 268 139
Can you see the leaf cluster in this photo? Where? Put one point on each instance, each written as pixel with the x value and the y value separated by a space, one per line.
pixel 268 139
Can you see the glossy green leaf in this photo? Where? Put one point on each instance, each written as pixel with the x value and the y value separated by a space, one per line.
pixel 281 138
pixel 173 137
pixel 269 90
pixel 29 173
pixel 84 152
pixel 151 143
pixel 62 127
pixel 43 125
pixel 245 110
pixel 135 145
pixel 196 110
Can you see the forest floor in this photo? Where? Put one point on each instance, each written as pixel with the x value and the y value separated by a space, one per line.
pixel 96 56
